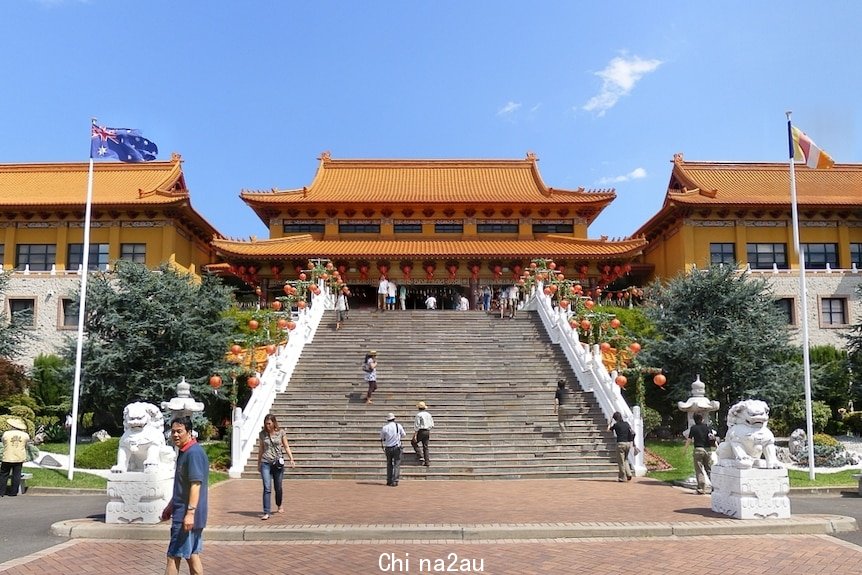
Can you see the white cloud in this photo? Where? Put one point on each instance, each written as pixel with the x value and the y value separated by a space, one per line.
pixel 509 108
pixel 636 174
pixel 618 79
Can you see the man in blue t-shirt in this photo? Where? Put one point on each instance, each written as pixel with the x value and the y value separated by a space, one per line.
pixel 188 507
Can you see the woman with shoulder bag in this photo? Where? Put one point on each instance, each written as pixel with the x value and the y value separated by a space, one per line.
pixel 272 445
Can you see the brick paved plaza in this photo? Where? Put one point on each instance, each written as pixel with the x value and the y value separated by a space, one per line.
pixel 336 507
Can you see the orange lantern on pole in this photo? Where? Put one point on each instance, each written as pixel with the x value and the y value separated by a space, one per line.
pixel 282 323
pixel 660 380
pixel 276 305
pixel 621 381
pixel 635 347
pixel 615 323
pixel 253 324
pixel 253 381
pixel 215 381
pixel 236 349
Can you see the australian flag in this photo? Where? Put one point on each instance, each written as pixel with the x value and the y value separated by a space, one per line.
pixel 121 143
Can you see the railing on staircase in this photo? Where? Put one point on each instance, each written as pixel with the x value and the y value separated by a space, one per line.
pixel 591 372
pixel 280 367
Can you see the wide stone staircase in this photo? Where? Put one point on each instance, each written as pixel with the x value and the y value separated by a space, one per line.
pixel 488 382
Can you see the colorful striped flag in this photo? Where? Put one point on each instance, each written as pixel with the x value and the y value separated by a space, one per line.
pixel 803 148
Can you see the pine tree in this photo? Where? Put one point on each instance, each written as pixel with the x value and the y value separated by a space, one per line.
pixel 722 325
pixel 12 333
pixel 145 330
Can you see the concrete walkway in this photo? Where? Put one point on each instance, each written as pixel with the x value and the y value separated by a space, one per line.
pixel 463 511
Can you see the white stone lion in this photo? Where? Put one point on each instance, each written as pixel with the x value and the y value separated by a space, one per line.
pixel 142 446
pixel 748 438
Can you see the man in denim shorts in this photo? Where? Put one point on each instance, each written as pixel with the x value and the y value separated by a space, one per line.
pixel 188 507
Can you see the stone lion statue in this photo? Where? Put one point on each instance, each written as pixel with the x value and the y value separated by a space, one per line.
pixel 142 446
pixel 748 438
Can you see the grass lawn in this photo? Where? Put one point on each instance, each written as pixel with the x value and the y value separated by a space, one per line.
pixel 101 456
pixel 683 467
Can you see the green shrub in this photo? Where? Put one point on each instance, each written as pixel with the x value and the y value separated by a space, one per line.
pixel 823 439
pixel 218 453
pixel 97 455
pixel 652 420
pixel 793 417
pixel 853 422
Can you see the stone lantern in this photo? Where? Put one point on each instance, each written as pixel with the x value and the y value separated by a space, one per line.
pixel 697 403
pixel 183 405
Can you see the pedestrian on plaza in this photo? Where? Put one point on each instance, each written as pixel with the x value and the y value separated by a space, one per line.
pixel 486 298
pixel 390 440
pixel 431 302
pixel 272 445
pixel 422 425
pixel 561 408
pixel 514 296
pixel 15 446
pixel 341 307
pixel 369 366
pixel 625 436
pixel 382 293
pixel 402 296
pixel 187 509
pixel 391 290
pixel 704 439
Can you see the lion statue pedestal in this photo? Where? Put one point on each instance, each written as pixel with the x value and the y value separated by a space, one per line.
pixel 141 483
pixel 748 482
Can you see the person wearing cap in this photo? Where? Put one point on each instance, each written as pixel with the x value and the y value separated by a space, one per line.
pixel 390 440
pixel 15 441
pixel 369 366
pixel 422 424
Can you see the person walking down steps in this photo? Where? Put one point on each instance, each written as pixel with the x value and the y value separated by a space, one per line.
pixel 369 366
pixel 422 425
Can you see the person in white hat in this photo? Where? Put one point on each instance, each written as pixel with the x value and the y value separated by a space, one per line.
pixel 422 424
pixel 390 440
pixel 15 442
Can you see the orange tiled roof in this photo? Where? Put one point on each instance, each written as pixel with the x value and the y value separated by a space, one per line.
pixel 428 181
pixel 114 183
pixel 306 246
pixel 754 185
pixel 763 184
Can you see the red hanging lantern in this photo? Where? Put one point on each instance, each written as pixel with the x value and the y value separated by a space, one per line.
pixel 453 269
pixel 253 324
pixel 498 271
pixel 586 325
pixel 236 349
pixel 474 272
pixel 215 381
pixel 635 347
pixel 621 381
pixel 253 381
pixel 363 272
pixel 281 323
pixel 605 346
pixel 615 323
pixel 291 325
pixel 276 305
pixel 659 380
pixel 406 271
pixel 429 272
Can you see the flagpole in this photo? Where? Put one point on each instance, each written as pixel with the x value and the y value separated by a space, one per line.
pixel 806 360
pixel 81 315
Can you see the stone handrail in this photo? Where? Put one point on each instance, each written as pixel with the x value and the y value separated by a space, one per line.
pixel 279 368
pixel 587 364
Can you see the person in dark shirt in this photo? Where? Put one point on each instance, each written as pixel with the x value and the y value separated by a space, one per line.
pixel 703 438
pixel 561 408
pixel 625 436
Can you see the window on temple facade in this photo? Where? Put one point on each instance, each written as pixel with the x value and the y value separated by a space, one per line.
pixel 833 311
pixel 309 227
pixel 856 255
pixel 2 252
pixel 134 253
pixel 786 307
pixel 407 227
pixel 724 253
pixel 358 227
pixel 818 255
pixel 97 261
pixel 763 256
pixel 497 227
pixel 449 228
pixel 23 311
pixel 553 228
pixel 68 313
pixel 40 257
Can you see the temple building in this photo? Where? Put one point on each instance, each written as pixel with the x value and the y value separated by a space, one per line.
pixel 439 226
pixel 740 213
pixel 140 212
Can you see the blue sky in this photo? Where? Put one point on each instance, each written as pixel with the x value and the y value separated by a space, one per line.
pixel 250 93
